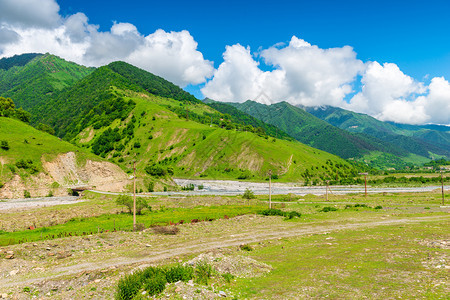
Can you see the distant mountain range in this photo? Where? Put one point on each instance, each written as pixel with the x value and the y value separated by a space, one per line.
pixel 424 140
pixel 123 113
pixel 351 135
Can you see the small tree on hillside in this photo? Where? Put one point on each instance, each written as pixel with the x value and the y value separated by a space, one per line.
pixel 127 201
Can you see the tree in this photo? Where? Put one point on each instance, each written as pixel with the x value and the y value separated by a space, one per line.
pixel 7 107
pixel 248 194
pixel 45 128
pixel 23 115
pixel 127 201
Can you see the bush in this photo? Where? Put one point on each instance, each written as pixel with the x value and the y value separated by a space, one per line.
pixel 151 186
pixel 245 247
pixel 378 207
pixel 50 194
pixel 4 145
pixel 228 277
pixel 167 230
pixel 129 286
pixel 279 212
pixel 156 284
pixel 189 187
pixel 179 273
pixel 328 208
pixel 248 194
pixel 203 272
pixel 26 194
pixel 27 165
pixel 127 201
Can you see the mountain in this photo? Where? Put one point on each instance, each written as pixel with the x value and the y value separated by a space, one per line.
pixel 40 164
pixel 317 133
pixel 125 114
pixel 165 141
pixel 421 140
pixel 243 118
pixel 30 79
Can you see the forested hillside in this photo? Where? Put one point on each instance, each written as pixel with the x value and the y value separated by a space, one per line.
pixel 30 80
pixel 419 140
pixel 314 132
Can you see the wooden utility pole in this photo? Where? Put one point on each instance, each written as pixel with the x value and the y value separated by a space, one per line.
pixel 270 189
pixel 365 182
pixel 134 196
pixel 326 191
pixel 442 186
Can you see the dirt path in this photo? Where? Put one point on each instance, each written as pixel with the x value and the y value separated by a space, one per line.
pixel 205 243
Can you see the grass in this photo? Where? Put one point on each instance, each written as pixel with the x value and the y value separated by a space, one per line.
pixel 124 222
pixel 28 143
pixel 383 262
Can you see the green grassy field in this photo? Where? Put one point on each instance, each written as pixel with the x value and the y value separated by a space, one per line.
pixel 28 143
pixel 387 262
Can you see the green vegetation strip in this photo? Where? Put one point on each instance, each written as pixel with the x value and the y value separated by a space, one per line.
pixel 113 222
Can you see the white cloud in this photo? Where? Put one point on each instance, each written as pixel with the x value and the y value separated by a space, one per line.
pixel 390 95
pixel 303 74
pixel 24 28
pixel 29 13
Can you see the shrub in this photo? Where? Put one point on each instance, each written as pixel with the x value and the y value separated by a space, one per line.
pixel 27 165
pixel 26 194
pixel 378 207
pixel 50 194
pixel 245 247
pixel 167 230
pixel 228 277
pixel 189 187
pixel 292 214
pixel 156 284
pixel 151 186
pixel 127 201
pixel 328 208
pixel 129 286
pixel 203 272
pixel 4 145
pixel 248 194
pixel 179 273
pixel 200 187
pixel 272 212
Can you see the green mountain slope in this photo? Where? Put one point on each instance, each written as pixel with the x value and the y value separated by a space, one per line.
pixel 415 139
pixel 38 162
pixel 123 113
pixel 7 63
pixel 243 118
pixel 31 79
pixel 165 143
pixel 314 132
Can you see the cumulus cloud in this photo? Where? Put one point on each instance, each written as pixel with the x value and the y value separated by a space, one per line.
pixel 28 27
pixel 390 95
pixel 29 13
pixel 308 75
pixel 303 74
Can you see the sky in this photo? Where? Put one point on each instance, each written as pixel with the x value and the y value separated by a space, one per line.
pixel 388 59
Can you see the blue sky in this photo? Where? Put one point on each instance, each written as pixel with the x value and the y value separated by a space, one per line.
pixel 388 59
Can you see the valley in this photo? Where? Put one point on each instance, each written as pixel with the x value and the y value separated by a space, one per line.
pixel 76 144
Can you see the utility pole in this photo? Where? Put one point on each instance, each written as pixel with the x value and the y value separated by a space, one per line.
pixel 326 192
pixel 365 182
pixel 270 189
pixel 134 195
pixel 442 186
